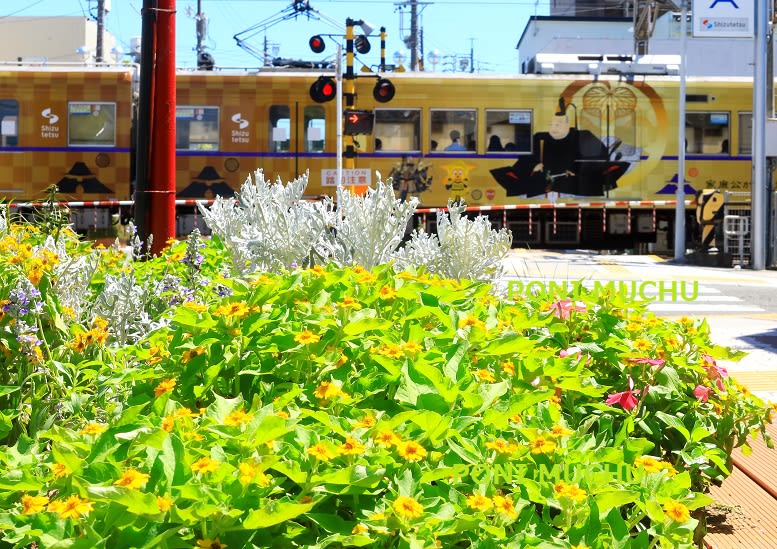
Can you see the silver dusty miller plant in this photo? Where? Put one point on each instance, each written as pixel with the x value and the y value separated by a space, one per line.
pixel 268 226
pixel 461 249
pixel 368 228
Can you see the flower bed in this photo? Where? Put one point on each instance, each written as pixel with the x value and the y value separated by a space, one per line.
pixel 168 403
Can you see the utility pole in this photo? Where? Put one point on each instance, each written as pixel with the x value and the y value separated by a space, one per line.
pixel 200 29
pixel 413 35
pixel 98 57
pixel 471 55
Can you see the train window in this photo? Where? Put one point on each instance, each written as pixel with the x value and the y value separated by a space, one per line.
pixel 280 128
pixel 9 122
pixel 508 131
pixel 707 132
pixel 196 128
pixel 454 130
pixel 398 130
pixel 315 129
pixel 91 123
pixel 745 133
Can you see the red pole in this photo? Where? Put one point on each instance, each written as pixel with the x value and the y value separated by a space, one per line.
pixel 162 201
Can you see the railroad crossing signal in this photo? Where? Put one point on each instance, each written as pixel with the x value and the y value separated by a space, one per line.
pixel 384 90
pixel 358 122
pixel 317 43
pixel 324 89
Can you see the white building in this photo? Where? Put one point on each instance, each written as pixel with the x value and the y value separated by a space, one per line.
pixel 52 40
pixel 563 39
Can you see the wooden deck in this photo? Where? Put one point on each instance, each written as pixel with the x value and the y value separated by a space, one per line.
pixel 745 513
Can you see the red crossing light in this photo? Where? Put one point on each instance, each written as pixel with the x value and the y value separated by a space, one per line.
pixel 316 43
pixel 384 90
pixel 324 89
pixel 358 122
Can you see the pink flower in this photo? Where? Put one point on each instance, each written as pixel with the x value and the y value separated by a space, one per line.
pixel 714 372
pixel 564 307
pixel 626 399
pixel 572 351
pixel 645 360
pixel 702 393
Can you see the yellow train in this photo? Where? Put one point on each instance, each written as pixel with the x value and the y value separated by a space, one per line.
pixel 580 160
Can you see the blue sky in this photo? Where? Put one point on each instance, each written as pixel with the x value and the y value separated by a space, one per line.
pixel 491 28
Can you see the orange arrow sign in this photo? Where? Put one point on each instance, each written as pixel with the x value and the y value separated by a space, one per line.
pixel 353 118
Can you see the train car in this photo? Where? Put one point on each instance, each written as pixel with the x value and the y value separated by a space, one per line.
pixel 69 126
pixel 563 160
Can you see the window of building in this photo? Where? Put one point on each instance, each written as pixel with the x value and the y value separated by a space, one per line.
pixel 280 128
pixel 197 128
pixel 453 130
pixel 745 133
pixel 91 124
pixel 315 129
pixel 9 122
pixel 397 130
pixel 707 132
pixel 508 131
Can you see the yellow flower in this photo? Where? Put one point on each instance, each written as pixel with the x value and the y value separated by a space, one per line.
pixel 411 451
pixel 328 390
pixel 72 507
pixel 237 417
pixel 132 478
pixel 92 429
pixel 247 472
pixel 643 344
pixel 676 511
pixel 485 375
pixel 366 422
pixel 196 307
pixel 317 270
pixel 33 504
pixel 571 491
pixel 479 502
pixel 349 303
pixel 360 529
pixel 387 439
pixel 560 431
pixel 210 544
pixel 411 347
pixel 387 292
pixel 352 447
pixel 502 446
pixel 164 503
pixel 542 445
pixel 473 321
pixel 505 506
pixel 407 507
pixel 234 310
pixel 320 452
pixel 164 387
pixel 205 465
pixel 306 337
pixel 59 470
pixel 366 278
pixel 168 423
pixel 580 546
pixel 648 463
pixel 508 367
pixel 189 354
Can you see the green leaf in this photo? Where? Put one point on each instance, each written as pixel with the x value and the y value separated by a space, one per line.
pixel 675 423
pixel 136 502
pixel 276 512
pixel 366 325
pixel 614 499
